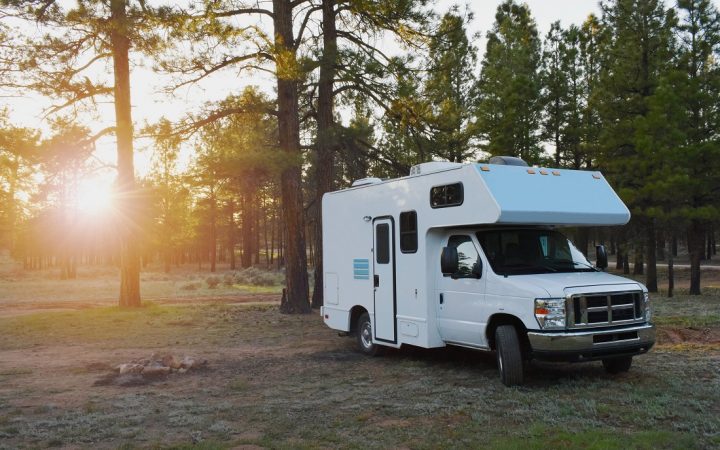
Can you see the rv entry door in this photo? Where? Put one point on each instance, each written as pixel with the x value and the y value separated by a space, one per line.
pixel 384 279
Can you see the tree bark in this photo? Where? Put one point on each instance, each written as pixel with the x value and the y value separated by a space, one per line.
pixel 671 270
pixel 650 248
pixel 247 221
pixel 231 233
pixel 626 264
pixel 127 191
pixel 326 139
pixel 213 233
pixel 639 266
pixel 296 301
pixel 709 253
pixel 696 248
pixel 619 258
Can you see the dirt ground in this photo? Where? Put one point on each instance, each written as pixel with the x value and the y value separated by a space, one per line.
pixel 276 381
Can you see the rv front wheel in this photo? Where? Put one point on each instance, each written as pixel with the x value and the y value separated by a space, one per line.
pixel 509 355
pixel 364 336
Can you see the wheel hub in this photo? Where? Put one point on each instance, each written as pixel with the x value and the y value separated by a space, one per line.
pixel 366 335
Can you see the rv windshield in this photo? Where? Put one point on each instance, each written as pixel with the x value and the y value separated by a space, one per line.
pixel 531 251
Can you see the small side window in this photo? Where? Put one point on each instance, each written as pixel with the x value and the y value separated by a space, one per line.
pixel 446 195
pixel 382 243
pixel 408 232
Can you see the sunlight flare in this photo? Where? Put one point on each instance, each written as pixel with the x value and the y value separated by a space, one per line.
pixel 95 196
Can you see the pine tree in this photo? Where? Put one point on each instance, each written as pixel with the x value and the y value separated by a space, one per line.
pixel 65 64
pixel 681 132
pixel 636 58
pixel 451 89
pixel 509 110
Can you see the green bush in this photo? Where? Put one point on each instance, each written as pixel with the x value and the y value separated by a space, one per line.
pixel 254 277
pixel 212 281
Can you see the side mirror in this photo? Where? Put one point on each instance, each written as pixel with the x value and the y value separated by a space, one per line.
pixel 601 254
pixel 449 261
pixel 477 268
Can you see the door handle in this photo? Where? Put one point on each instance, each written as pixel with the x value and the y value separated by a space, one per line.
pixel 376 280
pixel 442 299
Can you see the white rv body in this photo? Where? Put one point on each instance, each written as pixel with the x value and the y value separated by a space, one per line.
pixel 413 303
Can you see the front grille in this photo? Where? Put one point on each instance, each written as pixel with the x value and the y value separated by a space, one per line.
pixel 605 309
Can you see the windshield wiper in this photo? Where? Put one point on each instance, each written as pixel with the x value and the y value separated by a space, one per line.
pixel 589 266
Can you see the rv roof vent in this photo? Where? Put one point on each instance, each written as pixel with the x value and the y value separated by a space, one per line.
pixel 507 161
pixel 366 181
pixel 434 166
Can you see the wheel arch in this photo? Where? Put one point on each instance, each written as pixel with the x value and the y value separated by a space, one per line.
pixel 507 319
pixel 355 313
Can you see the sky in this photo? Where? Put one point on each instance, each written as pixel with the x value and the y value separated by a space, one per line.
pixel 150 105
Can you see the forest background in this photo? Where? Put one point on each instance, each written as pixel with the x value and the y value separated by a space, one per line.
pixel 306 96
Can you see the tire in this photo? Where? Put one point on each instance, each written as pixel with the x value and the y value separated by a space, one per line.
pixel 364 334
pixel 509 355
pixel 617 365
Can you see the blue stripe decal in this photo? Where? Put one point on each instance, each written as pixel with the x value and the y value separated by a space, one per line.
pixel 361 269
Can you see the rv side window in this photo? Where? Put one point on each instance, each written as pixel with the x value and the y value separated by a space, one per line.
pixel 382 243
pixel 468 256
pixel 408 232
pixel 446 195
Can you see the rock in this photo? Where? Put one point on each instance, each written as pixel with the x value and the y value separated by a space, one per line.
pixel 171 361
pixel 189 362
pixel 130 368
pixel 155 370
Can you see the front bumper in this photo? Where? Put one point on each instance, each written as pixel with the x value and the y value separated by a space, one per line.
pixel 593 344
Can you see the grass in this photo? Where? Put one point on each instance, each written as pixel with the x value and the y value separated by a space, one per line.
pixel 98 285
pixel 281 381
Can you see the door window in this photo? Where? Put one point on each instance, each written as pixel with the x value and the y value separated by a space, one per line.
pixel 382 243
pixel 468 256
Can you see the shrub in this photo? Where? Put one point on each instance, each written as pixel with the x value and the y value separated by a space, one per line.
pixel 212 281
pixel 190 286
pixel 258 277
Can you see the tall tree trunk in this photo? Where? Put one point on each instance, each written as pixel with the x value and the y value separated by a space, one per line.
pixel 709 253
pixel 674 245
pixel 626 264
pixel 256 229
pixel 265 234
pixel 273 226
pixel 247 221
pixel 639 266
pixel 619 258
pixel 326 140
pixel 231 233
pixel 12 207
pixel 696 248
pixel 671 270
pixel 296 277
pixel 127 191
pixel 213 233
pixel 650 248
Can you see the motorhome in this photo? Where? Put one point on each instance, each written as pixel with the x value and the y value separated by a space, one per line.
pixel 472 255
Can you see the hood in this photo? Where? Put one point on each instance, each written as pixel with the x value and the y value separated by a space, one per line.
pixel 558 284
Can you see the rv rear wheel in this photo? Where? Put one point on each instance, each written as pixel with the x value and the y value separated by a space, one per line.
pixel 509 355
pixel 617 365
pixel 364 336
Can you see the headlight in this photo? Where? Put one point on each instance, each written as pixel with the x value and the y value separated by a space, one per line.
pixel 646 305
pixel 550 313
